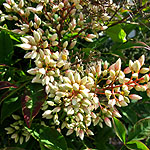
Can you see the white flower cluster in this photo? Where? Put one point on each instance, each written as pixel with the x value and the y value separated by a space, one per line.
pixel 18 131
pixel 80 97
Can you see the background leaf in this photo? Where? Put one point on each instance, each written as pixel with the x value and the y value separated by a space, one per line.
pixel 32 101
pixel 119 129
pixel 117 34
pixel 49 137
pixel 6 48
pixel 136 145
pixel 140 130
pixel 9 106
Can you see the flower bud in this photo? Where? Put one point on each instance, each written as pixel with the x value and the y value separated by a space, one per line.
pixel 84 93
pixel 54 37
pixel 70 110
pixel 69 132
pixel 116 114
pixel 25 46
pixel 136 66
pixel 146 78
pixel 65 44
pixel 141 60
pixel 118 64
pixel 112 73
pixel 76 86
pixel 37 36
pixel 32 71
pixel 127 70
pixel 135 75
pixel 135 97
pixel 144 70
pixel 107 122
pixel 88 39
pixel 148 92
pixel 60 63
pixel 72 44
pixel 84 80
pixel 108 93
pixel 16 117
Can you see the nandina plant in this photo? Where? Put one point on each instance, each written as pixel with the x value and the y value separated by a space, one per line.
pixel 69 91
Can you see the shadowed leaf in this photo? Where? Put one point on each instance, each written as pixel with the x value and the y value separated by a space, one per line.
pixel 32 101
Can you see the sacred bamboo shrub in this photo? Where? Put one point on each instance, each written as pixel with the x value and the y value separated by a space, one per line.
pixel 80 94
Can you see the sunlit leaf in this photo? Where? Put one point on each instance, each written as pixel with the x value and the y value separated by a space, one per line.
pixel 120 129
pixel 49 137
pixel 136 145
pixel 117 34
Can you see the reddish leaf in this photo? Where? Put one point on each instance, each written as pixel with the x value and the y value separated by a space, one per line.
pixel 6 84
pixel 32 101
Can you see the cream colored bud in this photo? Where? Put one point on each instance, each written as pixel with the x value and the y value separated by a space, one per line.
pixel 91 36
pixel 55 55
pixel 76 86
pixel 105 72
pixel 112 73
pixel 141 60
pixel 88 39
pixel 148 92
pixel 135 97
pixel 54 37
pixel 45 44
pixel 84 93
pixel 61 5
pixel 146 78
pixel 25 46
pixel 118 64
pixel 107 122
pixel 32 71
pixel 69 132
pixel 84 80
pixel 108 93
pixel 136 66
pixel 42 71
pixel 144 70
pixel 70 110
pixel 98 69
pixel 65 44
pixel 112 102
pixel 72 44
pixel 37 36
pixel 37 20
pixel 46 113
pixel 116 114
pixel 71 77
pixel 60 63
pixel 135 75
pixel 127 70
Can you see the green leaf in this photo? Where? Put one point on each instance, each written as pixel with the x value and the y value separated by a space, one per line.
pixel 49 137
pixel 140 130
pixel 120 129
pixel 32 100
pixel 130 115
pixel 9 106
pixel 117 34
pixel 136 145
pixel 6 48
